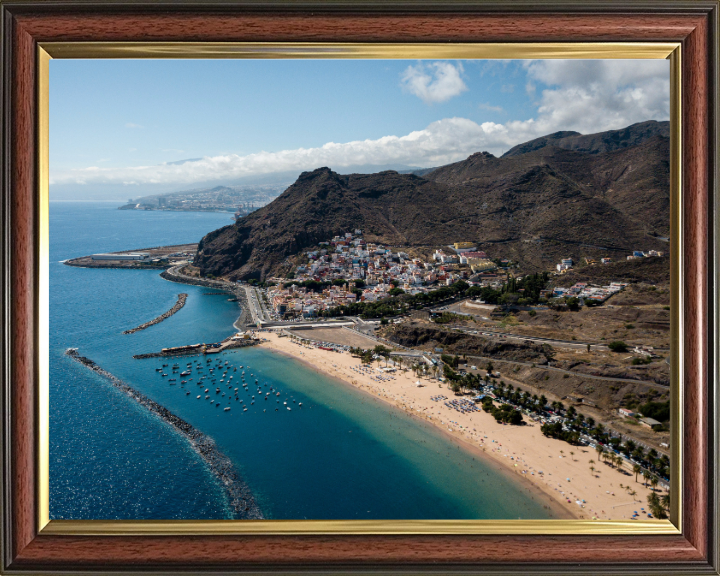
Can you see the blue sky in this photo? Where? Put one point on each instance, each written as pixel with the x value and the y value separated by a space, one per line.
pixel 119 127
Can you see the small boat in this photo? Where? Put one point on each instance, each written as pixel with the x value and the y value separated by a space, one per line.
pixel 172 380
pixel 198 397
pixel 245 410
pixel 227 409
pixel 158 369
pixel 289 408
pixel 163 374
pixel 206 390
pixel 183 382
pixel 278 394
pixel 300 404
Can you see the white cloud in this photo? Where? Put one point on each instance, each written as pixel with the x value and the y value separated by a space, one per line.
pixel 507 88
pixel 434 82
pixel 586 96
pixel 133 125
pixel 490 108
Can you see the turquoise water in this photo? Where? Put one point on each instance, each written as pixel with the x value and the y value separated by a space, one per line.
pixel 343 455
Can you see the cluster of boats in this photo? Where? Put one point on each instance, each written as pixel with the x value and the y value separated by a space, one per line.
pixel 222 374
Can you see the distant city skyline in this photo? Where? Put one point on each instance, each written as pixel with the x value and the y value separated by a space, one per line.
pixel 126 128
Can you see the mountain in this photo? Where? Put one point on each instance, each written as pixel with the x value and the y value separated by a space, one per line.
pixel 535 208
pixel 596 143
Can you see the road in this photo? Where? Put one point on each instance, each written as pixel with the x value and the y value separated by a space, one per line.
pixel 573 344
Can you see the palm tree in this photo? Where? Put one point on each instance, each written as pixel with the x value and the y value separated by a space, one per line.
pixel 665 501
pixel 633 494
pixel 592 470
pixel 591 461
pixel 571 455
pixel 599 450
pixel 655 506
pixel 646 476
pixel 654 482
pixel 638 453
pixel 636 469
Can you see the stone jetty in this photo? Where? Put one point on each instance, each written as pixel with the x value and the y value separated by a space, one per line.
pixel 179 304
pixel 192 349
pixel 241 499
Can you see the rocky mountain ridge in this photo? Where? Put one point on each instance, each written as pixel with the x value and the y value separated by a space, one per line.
pixel 533 207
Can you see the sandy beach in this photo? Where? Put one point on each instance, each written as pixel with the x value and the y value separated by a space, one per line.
pixel 555 468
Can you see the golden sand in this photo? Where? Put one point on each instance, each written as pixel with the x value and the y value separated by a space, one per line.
pixel 546 463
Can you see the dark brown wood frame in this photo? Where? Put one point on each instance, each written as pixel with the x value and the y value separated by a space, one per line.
pixel 24 24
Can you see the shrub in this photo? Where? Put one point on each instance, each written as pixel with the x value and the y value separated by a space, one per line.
pixel 642 360
pixel 659 411
pixel 629 326
pixel 618 346
pixel 532 313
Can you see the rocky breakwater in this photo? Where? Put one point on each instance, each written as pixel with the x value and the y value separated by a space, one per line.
pixel 241 499
pixel 179 304
pixel 175 274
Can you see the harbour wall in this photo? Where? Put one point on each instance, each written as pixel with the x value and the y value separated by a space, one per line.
pixel 191 349
pixel 241 499
pixel 179 304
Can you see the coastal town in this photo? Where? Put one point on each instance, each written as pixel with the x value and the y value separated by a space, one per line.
pixel 346 269
pixel 347 275
pixel 346 303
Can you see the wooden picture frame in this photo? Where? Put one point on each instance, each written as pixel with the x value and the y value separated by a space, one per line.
pixel 28 548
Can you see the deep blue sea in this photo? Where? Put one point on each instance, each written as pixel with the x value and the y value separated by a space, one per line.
pixel 343 455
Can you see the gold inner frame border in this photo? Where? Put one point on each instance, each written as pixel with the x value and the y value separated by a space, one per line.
pixel 299 50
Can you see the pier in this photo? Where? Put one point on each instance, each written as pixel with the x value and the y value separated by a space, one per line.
pixel 179 304
pixel 192 349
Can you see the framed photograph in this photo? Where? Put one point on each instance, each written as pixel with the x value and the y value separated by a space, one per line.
pixel 299 287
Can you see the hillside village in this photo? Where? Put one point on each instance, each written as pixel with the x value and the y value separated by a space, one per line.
pixel 347 270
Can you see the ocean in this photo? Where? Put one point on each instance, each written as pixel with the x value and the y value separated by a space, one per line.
pixel 343 455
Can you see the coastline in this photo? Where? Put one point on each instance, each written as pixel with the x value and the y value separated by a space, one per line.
pixel 173 274
pixel 539 464
pixel 239 496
